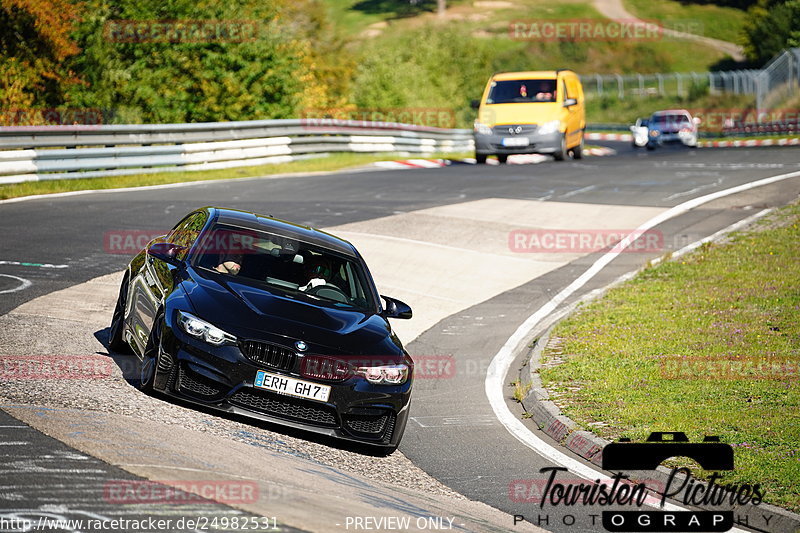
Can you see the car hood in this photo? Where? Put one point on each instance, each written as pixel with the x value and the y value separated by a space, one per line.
pixel 517 113
pixel 249 311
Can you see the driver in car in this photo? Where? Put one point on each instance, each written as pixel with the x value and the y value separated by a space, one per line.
pixel 231 264
pixel 318 272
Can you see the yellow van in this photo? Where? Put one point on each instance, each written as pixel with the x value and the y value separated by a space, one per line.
pixel 538 112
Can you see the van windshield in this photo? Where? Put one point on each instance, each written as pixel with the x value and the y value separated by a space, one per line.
pixel 522 91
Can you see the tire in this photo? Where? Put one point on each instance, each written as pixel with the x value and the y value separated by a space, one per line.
pixel 480 159
pixel 577 152
pixel 502 158
pixel 147 366
pixel 562 152
pixel 116 341
pixel 650 147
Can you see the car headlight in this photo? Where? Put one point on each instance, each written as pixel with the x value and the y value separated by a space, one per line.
pixel 549 127
pixel 482 129
pixel 201 329
pixel 384 374
pixel 654 133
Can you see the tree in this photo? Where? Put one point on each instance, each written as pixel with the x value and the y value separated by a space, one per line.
pixel 771 26
pixel 35 40
pixel 139 65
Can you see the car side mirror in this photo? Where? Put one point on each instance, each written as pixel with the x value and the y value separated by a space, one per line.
pixel 569 102
pixel 166 251
pixel 395 308
pixel 475 104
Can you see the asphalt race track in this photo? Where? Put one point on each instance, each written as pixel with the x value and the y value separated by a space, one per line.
pixel 446 215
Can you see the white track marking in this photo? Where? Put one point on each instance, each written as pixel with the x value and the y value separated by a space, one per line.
pixel 24 284
pixel 498 368
pixel 37 265
pixel 692 191
pixel 578 191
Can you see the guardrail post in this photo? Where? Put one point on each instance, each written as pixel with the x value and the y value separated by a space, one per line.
pixel 620 87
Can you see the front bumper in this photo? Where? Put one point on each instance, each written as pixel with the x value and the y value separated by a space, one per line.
pixel 687 139
pixel 489 144
pixel 222 378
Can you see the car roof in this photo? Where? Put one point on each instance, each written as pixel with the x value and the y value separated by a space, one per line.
pixel 672 112
pixel 529 74
pixel 255 221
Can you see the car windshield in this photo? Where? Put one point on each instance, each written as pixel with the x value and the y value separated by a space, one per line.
pixel 285 265
pixel 522 91
pixel 670 120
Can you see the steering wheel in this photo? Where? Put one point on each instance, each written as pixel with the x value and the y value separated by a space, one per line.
pixel 331 292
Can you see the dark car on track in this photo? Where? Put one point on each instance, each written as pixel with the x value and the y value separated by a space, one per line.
pixel 260 317
pixel 673 126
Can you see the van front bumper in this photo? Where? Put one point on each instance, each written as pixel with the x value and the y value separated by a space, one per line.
pixel 537 143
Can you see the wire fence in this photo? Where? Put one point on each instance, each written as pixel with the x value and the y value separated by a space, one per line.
pixel 681 84
pixel 780 78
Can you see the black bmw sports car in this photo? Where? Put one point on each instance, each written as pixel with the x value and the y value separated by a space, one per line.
pixel 260 317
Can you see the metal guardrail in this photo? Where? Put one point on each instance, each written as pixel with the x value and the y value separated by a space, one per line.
pixel 37 153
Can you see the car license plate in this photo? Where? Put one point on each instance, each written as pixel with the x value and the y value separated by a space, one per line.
pixel 292 387
pixel 516 141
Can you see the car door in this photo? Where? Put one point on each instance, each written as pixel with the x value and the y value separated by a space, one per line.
pixel 155 279
pixel 574 118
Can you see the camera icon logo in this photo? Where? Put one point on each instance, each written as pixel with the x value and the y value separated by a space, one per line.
pixel 711 454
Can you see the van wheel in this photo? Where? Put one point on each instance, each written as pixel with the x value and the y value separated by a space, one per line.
pixel 480 159
pixel 502 158
pixel 562 152
pixel 577 152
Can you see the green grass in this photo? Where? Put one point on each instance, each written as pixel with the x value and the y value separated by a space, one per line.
pixel 492 24
pixel 733 302
pixel 724 23
pixel 330 163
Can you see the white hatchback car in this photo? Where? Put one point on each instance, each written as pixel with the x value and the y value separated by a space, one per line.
pixel 639 131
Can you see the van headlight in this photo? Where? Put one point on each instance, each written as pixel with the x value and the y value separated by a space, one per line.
pixel 549 127
pixel 200 329
pixel 482 129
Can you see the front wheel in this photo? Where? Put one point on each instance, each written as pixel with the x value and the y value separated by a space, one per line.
pixel 147 366
pixel 116 342
pixel 562 151
pixel 480 159
pixel 502 158
pixel 577 152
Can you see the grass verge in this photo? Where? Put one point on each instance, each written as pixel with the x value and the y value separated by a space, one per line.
pixel 330 163
pixel 707 345
pixel 719 22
